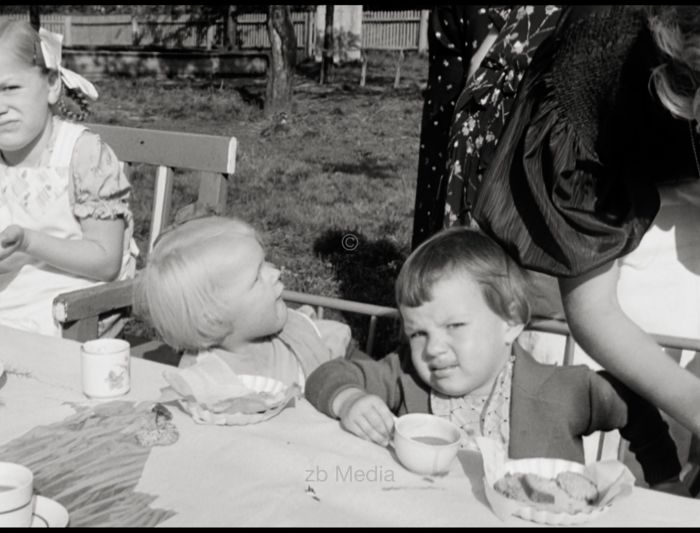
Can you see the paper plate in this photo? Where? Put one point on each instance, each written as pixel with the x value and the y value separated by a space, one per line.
pixel 280 396
pixel 612 479
pixel 262 384
pixel 547 468
pixel 609 489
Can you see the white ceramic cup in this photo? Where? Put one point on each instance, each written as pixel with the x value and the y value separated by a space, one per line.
pixel 105 365
pixel 425 443
pixel 16 495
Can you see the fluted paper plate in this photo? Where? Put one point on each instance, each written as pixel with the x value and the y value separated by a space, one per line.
pixel 612 479
pixel 547 468
pixel 278 396
pixel 263 384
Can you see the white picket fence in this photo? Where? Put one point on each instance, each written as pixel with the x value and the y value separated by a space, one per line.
pixel 381 30
pixel 394 30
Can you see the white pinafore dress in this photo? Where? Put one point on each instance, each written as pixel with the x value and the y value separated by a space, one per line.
pixel 39 198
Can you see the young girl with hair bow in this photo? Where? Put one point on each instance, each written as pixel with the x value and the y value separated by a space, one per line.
pixel 65 221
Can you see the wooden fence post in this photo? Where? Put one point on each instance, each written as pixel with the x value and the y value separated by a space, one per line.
pixel 67 37
pixel 310 26
pixel 397 79
pixel 363 72
pixel 423 31
pixel 211 32
pixel 134 31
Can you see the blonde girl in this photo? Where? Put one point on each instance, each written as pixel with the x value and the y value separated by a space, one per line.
pixel 65 221
pixel 209 290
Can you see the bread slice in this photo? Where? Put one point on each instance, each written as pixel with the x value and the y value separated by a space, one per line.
pixel 511 486
pixel 578 486
pixel 539 489
pixel 570 493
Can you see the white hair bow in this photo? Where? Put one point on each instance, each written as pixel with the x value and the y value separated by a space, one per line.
pixel 51 44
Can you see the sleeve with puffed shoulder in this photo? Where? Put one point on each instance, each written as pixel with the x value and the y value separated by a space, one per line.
pixel 101 189
pixel 569 189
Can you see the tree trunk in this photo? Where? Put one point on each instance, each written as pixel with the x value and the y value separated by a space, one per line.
pixel 34 16
pixel 327 61
pixel 283 49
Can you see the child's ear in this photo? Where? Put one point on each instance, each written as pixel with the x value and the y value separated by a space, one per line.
pixel 513 329
pixel 54 87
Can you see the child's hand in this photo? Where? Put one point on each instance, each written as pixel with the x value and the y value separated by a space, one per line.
pixel 11 240
pixel 365 415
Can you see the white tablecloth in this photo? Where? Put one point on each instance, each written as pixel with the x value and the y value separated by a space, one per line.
pixel 297 469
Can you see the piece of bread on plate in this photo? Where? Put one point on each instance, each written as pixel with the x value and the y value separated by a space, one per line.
pixel 569 492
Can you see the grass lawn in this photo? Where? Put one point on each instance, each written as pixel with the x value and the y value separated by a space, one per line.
pixel 332 192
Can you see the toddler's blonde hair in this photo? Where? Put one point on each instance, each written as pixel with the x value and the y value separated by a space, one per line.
pixel 180 289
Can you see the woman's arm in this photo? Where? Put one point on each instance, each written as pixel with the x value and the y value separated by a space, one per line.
pixel 605 332
pixel 98 255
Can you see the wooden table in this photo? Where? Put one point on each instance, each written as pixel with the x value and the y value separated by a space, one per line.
pixel 297 469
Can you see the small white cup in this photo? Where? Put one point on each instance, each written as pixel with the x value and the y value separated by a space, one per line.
pixel 105 365
pixel 16 495
pixel 425 443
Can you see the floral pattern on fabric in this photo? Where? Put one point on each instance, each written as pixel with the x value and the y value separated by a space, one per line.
pixel 480 416
pixel 484 106
pixel 35 194
pixel 101 189
pixel 454 33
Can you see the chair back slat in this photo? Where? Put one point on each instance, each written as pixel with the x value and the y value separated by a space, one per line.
pixel 162 198
pixel 213 191
pixel 212 157
pixel 193 151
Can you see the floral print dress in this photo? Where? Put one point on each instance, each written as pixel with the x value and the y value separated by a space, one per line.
pixel 463 119
pixel 483 108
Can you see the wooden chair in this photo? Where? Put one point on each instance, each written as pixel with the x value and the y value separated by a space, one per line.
pixel 212 157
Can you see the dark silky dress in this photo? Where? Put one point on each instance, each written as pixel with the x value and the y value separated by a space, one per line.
pixel 573 183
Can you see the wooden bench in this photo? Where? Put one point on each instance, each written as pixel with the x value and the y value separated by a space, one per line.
pixel 212 157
